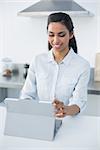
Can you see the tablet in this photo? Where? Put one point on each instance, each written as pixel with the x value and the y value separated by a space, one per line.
pixel 30 119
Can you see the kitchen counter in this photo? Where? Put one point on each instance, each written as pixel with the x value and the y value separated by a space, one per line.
pixel 76 133
pixel 93 86
pixel 11 86
pixel 16 80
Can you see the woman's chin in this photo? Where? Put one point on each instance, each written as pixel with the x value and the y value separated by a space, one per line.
pixel 57 48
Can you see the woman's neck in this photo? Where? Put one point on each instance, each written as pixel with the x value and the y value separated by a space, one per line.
pixel 59 56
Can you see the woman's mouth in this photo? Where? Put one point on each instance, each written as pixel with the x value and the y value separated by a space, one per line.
pixel 57 46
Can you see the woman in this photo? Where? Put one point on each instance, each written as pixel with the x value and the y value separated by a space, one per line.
pixel 60 75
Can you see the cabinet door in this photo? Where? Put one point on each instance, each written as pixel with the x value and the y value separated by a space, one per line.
pixel 3 94
pixel 13 93
pixel 93 105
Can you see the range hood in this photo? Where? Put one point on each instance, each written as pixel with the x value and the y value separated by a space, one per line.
pixel 45 7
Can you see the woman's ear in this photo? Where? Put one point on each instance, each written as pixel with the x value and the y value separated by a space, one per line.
pixel 71 35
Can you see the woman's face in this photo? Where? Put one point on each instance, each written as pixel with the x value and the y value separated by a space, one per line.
pixel 59 36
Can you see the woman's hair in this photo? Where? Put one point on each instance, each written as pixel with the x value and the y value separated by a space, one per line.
pixel 66 20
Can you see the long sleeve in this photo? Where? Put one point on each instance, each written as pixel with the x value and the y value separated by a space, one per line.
pixel 79 96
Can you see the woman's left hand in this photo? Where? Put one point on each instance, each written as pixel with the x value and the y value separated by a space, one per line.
pixel 60 108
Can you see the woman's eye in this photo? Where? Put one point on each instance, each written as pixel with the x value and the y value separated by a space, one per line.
pixel 62 34
pixel 51 35
pixel 59 34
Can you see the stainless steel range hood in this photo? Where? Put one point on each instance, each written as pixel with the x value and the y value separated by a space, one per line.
pixel 45 7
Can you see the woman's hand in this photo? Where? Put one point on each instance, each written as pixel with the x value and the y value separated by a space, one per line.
pixel 60 108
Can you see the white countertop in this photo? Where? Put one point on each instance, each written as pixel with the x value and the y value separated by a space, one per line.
pixel 76 133
pixel 16 80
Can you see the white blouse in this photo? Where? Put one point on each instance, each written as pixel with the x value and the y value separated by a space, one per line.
pixel 66 81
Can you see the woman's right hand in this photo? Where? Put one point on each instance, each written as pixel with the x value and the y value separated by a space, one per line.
pixel 57 104
pixel 59 107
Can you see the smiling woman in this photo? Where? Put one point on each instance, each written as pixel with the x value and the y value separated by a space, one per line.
pixel 58 37
pixel 65 28
pixel 60 76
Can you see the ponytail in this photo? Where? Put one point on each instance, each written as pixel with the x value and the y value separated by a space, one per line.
pixel 49 46
pixel 73 44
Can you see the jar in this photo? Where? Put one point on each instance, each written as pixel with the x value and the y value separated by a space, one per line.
pixel 6 66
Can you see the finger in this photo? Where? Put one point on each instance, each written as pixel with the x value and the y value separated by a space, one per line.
pixel 55 101
pixel 60 107
pixel 60 115
pixel 57 104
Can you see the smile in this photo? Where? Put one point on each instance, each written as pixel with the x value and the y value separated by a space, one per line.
pixel 57 46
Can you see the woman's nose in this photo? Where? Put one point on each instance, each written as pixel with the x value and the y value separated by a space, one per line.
pixel 56 39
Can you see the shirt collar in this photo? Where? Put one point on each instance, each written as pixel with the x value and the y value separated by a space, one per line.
pixel 66 59
pixel 50 56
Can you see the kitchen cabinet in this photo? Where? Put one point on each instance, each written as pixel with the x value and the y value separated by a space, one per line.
pixel 93 99
pixel 9 92
pixel 93 105
pixel 3 94
pixel 13 93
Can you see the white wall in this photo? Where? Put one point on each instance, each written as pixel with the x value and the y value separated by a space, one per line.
pixel 21 38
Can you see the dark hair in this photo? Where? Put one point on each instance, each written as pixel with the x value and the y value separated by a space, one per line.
pixel 67 21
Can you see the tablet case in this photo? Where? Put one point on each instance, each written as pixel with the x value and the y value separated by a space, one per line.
pixel 30 119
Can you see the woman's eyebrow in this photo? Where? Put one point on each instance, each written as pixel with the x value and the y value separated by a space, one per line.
pixel 61 32
pixel 50 32
pixel 58 32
